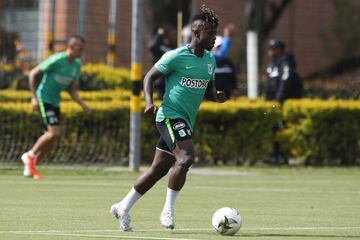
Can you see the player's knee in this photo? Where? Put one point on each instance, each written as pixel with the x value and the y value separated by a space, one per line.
pixel 185 162
pixel 53 135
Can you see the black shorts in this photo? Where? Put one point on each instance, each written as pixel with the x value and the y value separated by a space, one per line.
pixel 49 115
pixel 171 131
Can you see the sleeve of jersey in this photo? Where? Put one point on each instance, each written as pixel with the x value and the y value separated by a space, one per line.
pixel 167 62
pixel 48 64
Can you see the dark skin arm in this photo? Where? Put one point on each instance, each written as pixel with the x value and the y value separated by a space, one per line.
pixel 149 79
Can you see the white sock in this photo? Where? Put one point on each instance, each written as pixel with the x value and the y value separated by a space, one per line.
pixel 171 196
pixel 130 199
pixel 31 153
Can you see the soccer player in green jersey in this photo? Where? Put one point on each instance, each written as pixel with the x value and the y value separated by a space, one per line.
pixel 60 72
pixel 188 71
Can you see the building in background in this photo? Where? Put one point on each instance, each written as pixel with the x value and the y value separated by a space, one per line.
pixel 43 25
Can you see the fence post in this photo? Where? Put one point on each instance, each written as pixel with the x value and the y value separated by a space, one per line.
pixel 136 76
pixel 110 58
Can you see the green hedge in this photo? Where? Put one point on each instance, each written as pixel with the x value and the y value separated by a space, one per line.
pixel 234 132
pixel 237 132
pixel 93 77
pixel 322 132
pixel 104 95
pixel 100 76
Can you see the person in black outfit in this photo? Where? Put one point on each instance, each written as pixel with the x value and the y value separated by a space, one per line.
pixel 282 83
pixel 164 40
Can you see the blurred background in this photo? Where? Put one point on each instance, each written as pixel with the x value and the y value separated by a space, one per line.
pixel 322 35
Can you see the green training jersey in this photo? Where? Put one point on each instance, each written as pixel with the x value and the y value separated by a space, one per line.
pixel 58 75
pixel 187 77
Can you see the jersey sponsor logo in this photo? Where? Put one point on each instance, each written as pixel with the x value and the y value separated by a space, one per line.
pixel 178 125
pixel 189 67
pixel 53 120
pixel 63 80
pixel 210 68
pixel 50 113
pixel 182 133
pixel 194 83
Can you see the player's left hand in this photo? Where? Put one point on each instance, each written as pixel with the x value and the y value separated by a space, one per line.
pixel 150 109
pixel 220 96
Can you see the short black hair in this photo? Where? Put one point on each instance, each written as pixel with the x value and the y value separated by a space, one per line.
pixel 207 15
pixel 276 43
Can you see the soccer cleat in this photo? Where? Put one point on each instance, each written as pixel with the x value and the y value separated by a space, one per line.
pixel 122 216
pixel 167 219
pixel 25 160
pixel 29 167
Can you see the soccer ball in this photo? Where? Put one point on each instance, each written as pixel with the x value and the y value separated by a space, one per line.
pixel 226 221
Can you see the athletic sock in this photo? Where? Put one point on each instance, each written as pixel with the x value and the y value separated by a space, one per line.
pixel 31 154
pixel 171 196
pixel 130 199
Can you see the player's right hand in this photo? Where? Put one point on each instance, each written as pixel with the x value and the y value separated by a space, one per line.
pixel 150 109
pixel 35 104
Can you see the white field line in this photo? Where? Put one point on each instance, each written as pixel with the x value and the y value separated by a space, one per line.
pixel 181 229
pixel 87 233
pixel 104 236
pixel 239 189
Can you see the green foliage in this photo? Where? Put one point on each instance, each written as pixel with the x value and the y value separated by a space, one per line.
pixel 7 45
pixel 322 132
pixel 105 95
pixel 99 136
pixel 93 77
pixel 100 76
pixel 237 131
pixel 12 77
pixel 341 42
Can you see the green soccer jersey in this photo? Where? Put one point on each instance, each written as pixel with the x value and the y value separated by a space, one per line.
pixel 58 75
pixel 187 77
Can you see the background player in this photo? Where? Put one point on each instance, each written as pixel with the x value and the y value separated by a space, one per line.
pixel 60 72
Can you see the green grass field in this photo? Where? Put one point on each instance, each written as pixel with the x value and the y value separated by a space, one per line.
pixel 275 203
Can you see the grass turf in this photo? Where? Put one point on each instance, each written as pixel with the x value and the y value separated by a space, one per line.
pixel 275 203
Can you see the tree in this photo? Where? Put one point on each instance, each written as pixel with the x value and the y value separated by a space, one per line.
pixel 160 12
pixel 7 45
pixel 343 40
pixel 262 16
